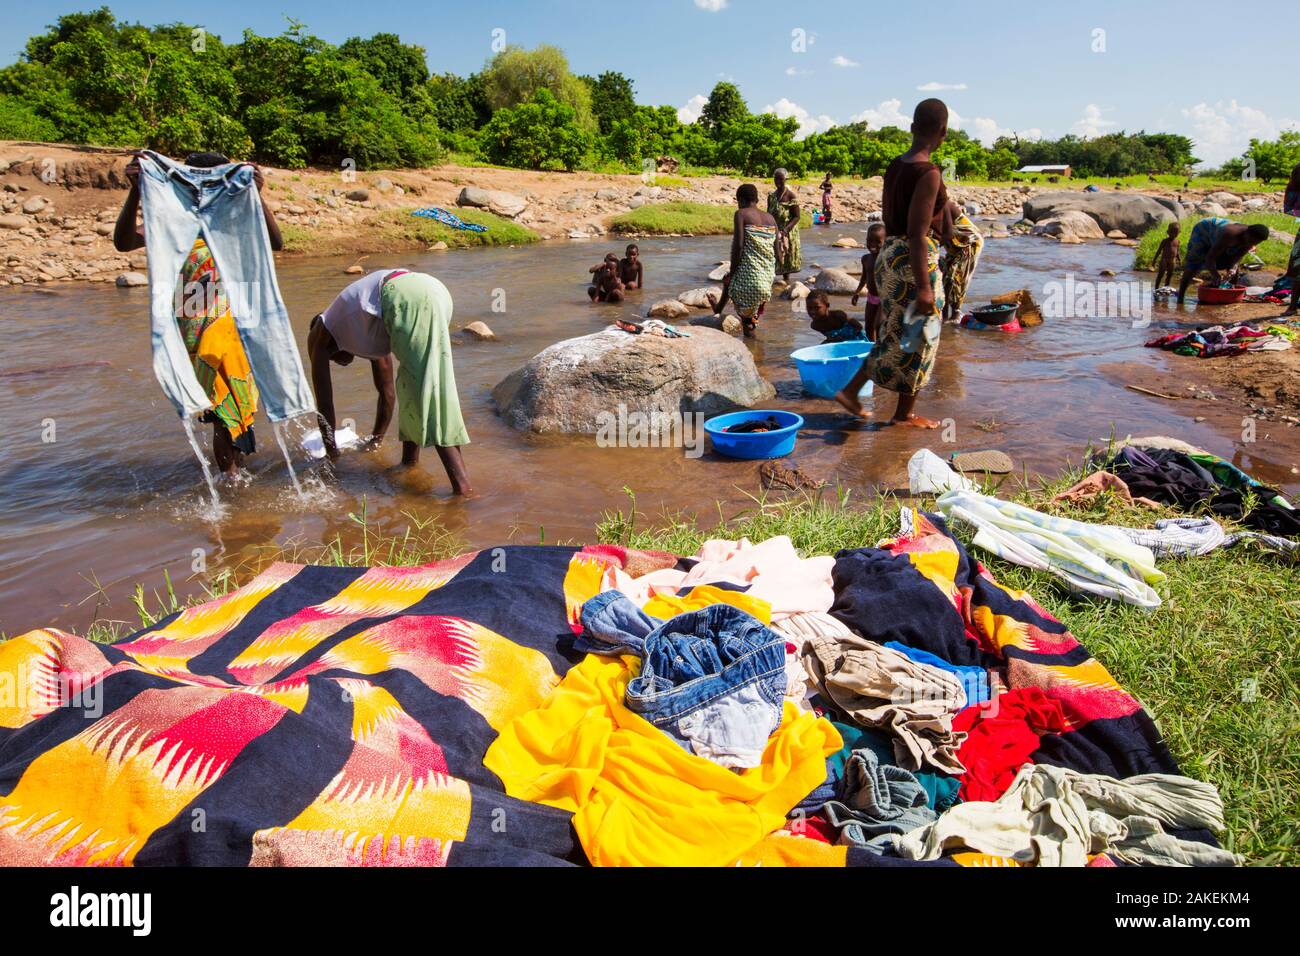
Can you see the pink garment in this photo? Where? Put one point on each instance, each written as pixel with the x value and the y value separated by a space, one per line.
pixel 772 570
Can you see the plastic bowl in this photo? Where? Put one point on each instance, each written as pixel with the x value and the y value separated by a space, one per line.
pixel 996 314
pixel 1211 295
pixel 773 444
pixel 825 369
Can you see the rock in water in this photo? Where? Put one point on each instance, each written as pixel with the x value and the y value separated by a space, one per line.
pixel 480 331
pixel 724 323
pixel 1131 214
pixel 722 269
pixel 1069 225
pixel 700 298
pixel 835 282
pixel 797 290
pixel 669 309
pixel 128 280
pixel 847 242
pixel 578 385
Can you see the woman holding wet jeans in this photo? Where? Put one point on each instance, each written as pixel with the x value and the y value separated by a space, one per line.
pixel 207 325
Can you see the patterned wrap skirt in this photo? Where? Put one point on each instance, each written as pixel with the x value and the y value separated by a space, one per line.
pixel 888 365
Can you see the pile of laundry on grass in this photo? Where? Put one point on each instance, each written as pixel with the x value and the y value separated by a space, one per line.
pixel 1218 341
pixel 890 704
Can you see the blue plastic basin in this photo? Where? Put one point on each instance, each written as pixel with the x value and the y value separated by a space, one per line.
pixel 773 444
pixel 825 369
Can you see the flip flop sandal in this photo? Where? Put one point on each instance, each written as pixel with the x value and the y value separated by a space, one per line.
pixel 989 461
pixel 627 326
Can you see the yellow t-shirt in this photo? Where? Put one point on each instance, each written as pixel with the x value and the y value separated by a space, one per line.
pixel 637 796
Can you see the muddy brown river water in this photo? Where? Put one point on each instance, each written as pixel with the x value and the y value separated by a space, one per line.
pixel 117 498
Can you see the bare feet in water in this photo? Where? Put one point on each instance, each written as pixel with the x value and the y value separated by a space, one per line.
pixel 851 404
pixel 915 421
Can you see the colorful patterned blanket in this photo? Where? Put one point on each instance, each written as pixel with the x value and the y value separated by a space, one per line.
pixel 325 715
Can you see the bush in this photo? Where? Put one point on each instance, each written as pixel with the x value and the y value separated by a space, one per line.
pixel 540 134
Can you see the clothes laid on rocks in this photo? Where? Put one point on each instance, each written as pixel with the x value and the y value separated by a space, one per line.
pixel 876 798
pixel 221 206
pixel 1218 341
pixel 355 320
pixel 960 259
pixel 790 255
pixel 637 797
pixel 1054 816
pixel 1001 737
pixel 416 309
pixel 1095 559
pixel 879 687
pixel 892 364
pixel 1189 482
pixel 215 350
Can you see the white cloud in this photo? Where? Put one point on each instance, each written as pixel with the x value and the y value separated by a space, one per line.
pixel 1225 130
pixel 784 109
pixel 690 112
pixel 888 113
pixel 987 130
pixel 1092 123
pixel 840 59
pixel 713 6
pixel 791 71
pixel 933 87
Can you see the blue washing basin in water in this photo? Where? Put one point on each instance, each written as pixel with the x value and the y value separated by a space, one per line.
pixel 825 369
pixel 774 444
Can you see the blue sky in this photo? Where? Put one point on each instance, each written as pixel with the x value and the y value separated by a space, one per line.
pixel 1028 67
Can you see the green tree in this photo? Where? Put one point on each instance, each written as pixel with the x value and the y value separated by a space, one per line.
pixel 1275 159
pixel 1002 163
pixel 399 67
pixel 514 75
pixel 725 105
pixel 543 133
pixel 612 99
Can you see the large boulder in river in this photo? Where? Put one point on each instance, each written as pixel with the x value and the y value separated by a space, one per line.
pixel 835 282
pixel 577 384
pixel 701 298
pixel 1069 223
pixel 1132 214
pixel 669 309
pixel 494 200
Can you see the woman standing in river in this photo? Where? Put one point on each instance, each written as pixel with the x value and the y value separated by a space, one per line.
pixel 783 206
pixel 907 273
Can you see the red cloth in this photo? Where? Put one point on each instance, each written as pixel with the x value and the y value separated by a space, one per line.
pixel 1001 735
pixel 814 827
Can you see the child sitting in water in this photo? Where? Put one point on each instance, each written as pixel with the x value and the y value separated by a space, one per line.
pixel 606 286
pixel 871 316
pixel 1168 257
pixel 630 269
pixel 835 324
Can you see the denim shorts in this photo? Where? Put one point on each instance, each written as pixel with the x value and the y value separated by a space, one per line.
pixel 714 680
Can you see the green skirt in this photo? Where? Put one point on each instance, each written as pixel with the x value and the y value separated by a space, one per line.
pixel 416 309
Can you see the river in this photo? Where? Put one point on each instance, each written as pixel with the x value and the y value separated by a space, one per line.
pixel 101 491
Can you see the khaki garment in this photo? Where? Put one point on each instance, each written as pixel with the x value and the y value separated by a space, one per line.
pixel 877 686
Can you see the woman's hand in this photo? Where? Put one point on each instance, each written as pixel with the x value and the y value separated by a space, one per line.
pixel 925 300
pixel 133 171
pixel 259 178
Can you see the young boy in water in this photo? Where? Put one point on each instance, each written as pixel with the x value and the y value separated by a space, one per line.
pixel 835 324
pixel 630 269
pixel 871 316
pixel 1168 257
pixel 606 286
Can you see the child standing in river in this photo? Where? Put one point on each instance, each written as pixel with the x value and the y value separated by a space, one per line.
pixel 1168 257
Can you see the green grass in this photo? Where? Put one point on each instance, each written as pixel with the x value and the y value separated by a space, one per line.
pixel 1216 665
pixel 681 218
pixel 1274 252
pixel 400 224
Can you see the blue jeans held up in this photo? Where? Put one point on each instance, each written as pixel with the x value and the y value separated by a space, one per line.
pixel 714 680
pixel 222 204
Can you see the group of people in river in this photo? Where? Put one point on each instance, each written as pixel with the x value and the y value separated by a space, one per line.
pixel 399 321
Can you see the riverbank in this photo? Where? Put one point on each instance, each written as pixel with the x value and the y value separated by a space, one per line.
pixel 1224 701
pixel 58 205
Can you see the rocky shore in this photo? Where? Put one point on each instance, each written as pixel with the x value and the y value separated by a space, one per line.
pixel 58 205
